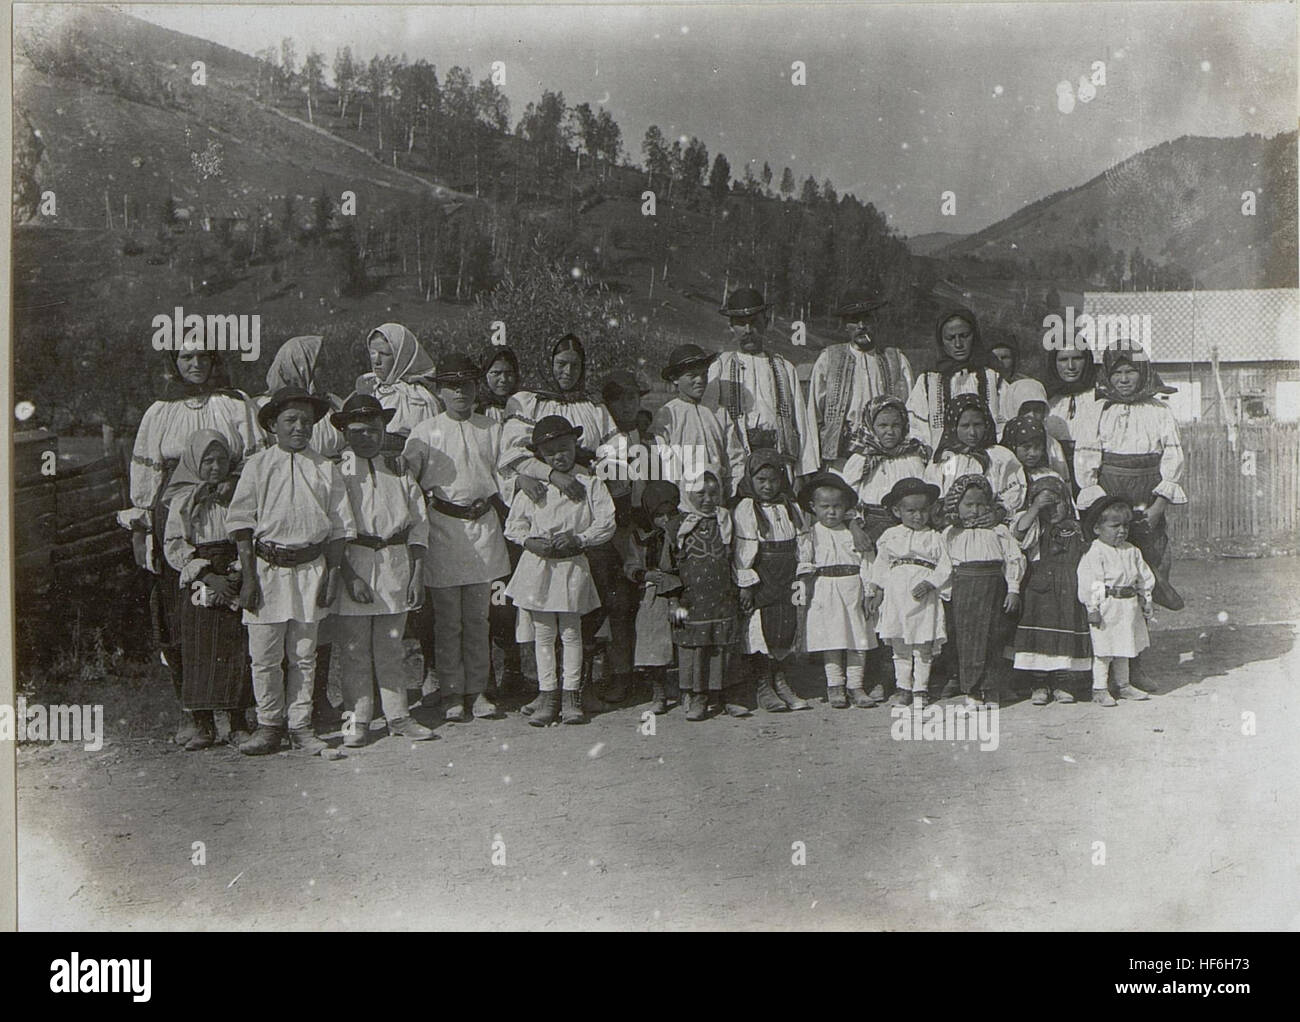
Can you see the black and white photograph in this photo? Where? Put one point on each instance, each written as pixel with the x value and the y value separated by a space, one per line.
pixel 655 467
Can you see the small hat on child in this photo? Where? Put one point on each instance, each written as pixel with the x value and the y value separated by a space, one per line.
pixel 621 382
pixel 826 480
pixel 684 357
pixel 910 487
pixel 457 368
pixel 287 396
pixel 358 408
pixel 552 427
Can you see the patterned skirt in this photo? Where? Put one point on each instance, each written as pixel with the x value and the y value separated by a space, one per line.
pixel 214 646
pixel 978 591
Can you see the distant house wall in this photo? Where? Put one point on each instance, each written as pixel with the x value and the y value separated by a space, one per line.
pixel 1254 391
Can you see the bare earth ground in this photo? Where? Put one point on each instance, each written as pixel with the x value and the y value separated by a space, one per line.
pixel 604 827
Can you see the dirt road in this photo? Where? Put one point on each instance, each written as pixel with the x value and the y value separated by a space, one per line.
pixel 1161 814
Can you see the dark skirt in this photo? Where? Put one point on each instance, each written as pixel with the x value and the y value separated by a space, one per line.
pixel 776 564
pixel 1052 620
pixel 978 592
pixel 708 590
pixel 876 520
pixel 214 647
pixel 1135 477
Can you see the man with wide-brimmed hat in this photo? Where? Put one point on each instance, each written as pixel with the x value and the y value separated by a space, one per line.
pixel 690 437
pixel 760 390
pixel 454 457
pixel 848 375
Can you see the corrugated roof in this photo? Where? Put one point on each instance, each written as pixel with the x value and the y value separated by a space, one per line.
pixel 1246 325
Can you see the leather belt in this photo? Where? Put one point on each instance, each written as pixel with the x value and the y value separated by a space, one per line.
pixel 288 556
pixel 919 561
pixel 1122 592
pixel 465 512
pixel 378 543
pixel 838 571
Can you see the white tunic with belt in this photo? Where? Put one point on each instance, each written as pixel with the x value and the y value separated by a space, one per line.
pixel 456 461
pixel 1123 629
pixel 384 504
pixel 837 612
pixel 905 557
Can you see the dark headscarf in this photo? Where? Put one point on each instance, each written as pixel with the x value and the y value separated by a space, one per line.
pixel 949 441
pixel 960 485
pixel 976 362
pixel 1021 429
pixel 1085 383
pixel 494 355
pixel 218 381
pixel 1149 382
pixel 759 459
pixel 552 391
pixel 865 442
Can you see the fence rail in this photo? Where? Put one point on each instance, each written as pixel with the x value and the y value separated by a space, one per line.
pixel 1252 491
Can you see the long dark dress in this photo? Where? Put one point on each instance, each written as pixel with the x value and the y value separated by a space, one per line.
pixel 214 645
pixel 708 589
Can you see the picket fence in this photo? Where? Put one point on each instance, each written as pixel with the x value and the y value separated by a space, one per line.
pixel 1252 491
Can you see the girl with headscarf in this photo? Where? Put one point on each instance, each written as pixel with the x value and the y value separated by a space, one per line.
pixel 500 381
pixel 1052 639
pixel 1133 451
pixel 294 365
pixel 1072 406
pixel 882 454
pixel 401 377
pixel 769 534
pixel 602 450
pixel 963 368
pixel 969 445
pixel 987 566
pixel 197 395
pixel 214 645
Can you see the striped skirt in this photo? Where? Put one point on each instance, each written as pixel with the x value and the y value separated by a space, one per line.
pixel 978 591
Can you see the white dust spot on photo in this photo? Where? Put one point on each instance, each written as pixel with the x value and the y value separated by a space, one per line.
pixel 1223 617
pixel 24 410
pixel 1184 658
pixel 1068 759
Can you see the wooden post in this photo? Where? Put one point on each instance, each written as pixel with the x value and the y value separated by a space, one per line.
pixel 106 434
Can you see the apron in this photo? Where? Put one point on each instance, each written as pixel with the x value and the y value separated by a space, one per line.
pixel 776 564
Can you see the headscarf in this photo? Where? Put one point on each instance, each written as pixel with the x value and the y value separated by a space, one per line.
pixel 1022 429
pixel 294 364
pixel 976 362
pixel 767 457
pixel 1061 532
pixel 970 481
pixel 1008 341
pixel 866 442
pixel 494 355
pixel 218 381
pixel 553 391
pixel 411 363
pixel 692 515
pixel 1085 382
pixel 1149 383
pixel 185 484
pixel 949 441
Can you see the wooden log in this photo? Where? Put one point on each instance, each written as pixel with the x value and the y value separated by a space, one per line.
pixel 95 525
pixel 29 450
pixel 81 504
pixel 91 473
pixel 66 572
pixel 116 540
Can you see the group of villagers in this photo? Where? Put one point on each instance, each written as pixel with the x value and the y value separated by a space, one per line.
pixel 992 531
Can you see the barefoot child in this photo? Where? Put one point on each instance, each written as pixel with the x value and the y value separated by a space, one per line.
pixel 291 519
pixel 765 557
pixel 1052 639
pixel 708 618
pixel 910 578
pixel 987 566
pixel 553 586
pixel 214 645
pixel 835 575
pixel 652 565
pixel 1115 585
pixel 382 569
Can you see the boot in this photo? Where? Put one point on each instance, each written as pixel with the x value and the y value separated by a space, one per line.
pixel 265 740
pixel 1129 692
pixel 304 740
pixel 697 704
pixel 836 697
pixel 356 731
pixel 658 701
pixel 1040 696
pixel 1063 696
pixel 205 732
pixel 409 727
pixel 239 732
pixel 185 729
pixel 616 688
pixel 528 709
pixel 859 698
pixel 590 698
pixel 733 700
pixel 484 707
pixel 767 697
pixel 786 693
pixel 876 695
pixel 571 707
pixel 902 697
pixel 453 708
pixel 1102 697
pixel 546 709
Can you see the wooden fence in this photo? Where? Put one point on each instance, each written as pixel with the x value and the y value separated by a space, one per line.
pixel 1250 492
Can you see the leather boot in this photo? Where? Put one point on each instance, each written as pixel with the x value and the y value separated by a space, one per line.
pixel 546 710
pixel 265 740
pixel 767 697
pixel 697 705
pixel 529 708
pixel 616 688
pixel 837 697
pixel 205 732
pixel 484 707
pixel 658 700
pixel 590 698
pixel 304 740
pixel 785 692
pixel 409 727
pixel 571 707
pixel 185 729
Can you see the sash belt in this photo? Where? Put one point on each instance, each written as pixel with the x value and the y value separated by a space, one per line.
pixel 288 556
pixel 465 512
pixel 919 561
pixel 1122 592
pixel 837 571
pixel 378 543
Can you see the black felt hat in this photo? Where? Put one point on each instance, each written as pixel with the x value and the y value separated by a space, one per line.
pixel 910 487
pixel 1092 515
pixel 285 396
pixel 683 357
pixel 358 408
pixel 823 480
pixel 458 368
pixel 742 302
pixel 621 382
pixel 858 301
pixel 551 427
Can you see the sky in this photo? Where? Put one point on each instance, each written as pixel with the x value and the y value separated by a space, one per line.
pixel 902 102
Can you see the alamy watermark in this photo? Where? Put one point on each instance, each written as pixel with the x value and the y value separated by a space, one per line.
pixel 57 723
pixel 179 332
pixel 938 723
pixel 1098 332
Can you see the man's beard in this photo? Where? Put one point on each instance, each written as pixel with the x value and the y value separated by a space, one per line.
pixel 864 341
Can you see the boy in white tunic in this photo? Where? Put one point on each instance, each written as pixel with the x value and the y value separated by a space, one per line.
pixel 290 519
pixel 454 458
pixel 1115 584
pixel 835 575
pixel 685 429
pixel 382 575
pixel 553 586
